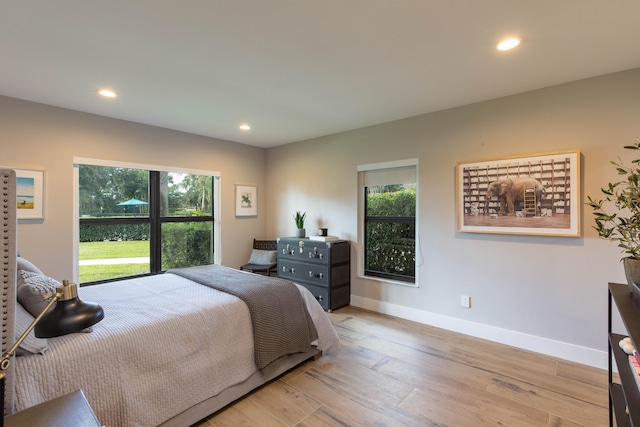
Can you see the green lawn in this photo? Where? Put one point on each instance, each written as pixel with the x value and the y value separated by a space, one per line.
pixel 101 250
pixel 91 273
pixel 104 250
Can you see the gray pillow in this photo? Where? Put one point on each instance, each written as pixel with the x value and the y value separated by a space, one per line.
pixel 23 264
pixel 261 257
pixel 31 344
pixel 34 291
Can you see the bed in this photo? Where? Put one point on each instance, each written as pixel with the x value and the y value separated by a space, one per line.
pixel 170 351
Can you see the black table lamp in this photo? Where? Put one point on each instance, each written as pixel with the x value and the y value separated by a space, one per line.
pixel 68 316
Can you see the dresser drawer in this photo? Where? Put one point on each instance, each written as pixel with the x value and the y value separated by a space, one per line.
pixel 304 250
pixel 324 268
pixel 297 271
pixel 320 294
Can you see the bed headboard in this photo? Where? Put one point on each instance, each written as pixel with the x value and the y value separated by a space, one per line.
pixel 8 251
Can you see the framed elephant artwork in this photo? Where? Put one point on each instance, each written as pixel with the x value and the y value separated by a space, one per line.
pixel 537 194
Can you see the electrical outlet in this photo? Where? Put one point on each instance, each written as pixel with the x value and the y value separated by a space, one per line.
pixel 465 301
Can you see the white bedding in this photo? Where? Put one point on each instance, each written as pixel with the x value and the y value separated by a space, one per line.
pixel 165 344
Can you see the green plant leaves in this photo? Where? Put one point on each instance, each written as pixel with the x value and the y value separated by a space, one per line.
pixel 299 218
pixel 623 226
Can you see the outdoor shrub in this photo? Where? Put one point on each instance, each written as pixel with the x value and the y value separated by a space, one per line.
pixel 184 245
pixel 114 232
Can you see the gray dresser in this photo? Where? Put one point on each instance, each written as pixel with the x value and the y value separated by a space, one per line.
pixel 324 268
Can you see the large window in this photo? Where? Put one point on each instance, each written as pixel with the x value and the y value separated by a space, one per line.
pixel 135 221
pixel 388 218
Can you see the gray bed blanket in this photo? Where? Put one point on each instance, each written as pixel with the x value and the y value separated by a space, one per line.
pixel 280 320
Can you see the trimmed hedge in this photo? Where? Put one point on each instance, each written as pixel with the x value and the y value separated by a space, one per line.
pixel 118 232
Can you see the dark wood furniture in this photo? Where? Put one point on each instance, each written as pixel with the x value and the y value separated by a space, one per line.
pixel 625 395
pixel 69 410
pixel 264 245
pixel 324 268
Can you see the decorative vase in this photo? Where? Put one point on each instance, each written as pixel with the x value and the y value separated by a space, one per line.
pixel 300 232
pixel 631 270
pixel 632 273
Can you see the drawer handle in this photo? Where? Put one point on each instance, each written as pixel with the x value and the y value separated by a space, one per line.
pixel 315 254
pixel 318 275
pixel 319 298
pixel 288 252
pixel 292 270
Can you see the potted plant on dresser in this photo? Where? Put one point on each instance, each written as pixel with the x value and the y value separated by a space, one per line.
pixel 622 225
pixel 299 218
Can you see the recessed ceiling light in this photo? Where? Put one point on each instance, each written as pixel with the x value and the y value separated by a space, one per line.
pixel 107 93
pixel 244 127
pixel 508 44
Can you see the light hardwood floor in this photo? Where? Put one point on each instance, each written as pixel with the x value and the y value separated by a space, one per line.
pixel 393 372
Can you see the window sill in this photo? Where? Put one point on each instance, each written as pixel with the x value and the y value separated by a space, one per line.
pixel 388 281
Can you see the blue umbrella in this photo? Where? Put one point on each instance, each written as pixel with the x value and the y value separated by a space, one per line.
pixel 133 202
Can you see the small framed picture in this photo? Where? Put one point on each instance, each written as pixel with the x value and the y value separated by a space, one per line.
pixel 30 193
pixel 536 194
pixel 246 200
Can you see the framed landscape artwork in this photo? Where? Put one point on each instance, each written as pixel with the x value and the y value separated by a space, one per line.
pixel 246 200
pixel 30 193
pixel 536 194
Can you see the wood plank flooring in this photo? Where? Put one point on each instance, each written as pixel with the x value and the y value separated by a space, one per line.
pixel 393 372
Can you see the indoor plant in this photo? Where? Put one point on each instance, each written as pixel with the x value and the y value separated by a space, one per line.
pixel 299 217
pixel 623 225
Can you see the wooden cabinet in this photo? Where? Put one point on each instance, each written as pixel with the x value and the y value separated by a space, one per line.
pixel 625 395
pixel 324 268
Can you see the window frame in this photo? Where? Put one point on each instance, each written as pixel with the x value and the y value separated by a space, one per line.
pixel 362 169
pixel 155 257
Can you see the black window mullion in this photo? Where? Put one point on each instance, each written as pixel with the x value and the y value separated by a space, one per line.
pixel 207 218
pixel 155 238
pixel 113 221
pixel 399 219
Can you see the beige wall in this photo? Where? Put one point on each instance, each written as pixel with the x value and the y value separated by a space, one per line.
pixel 546 293
pixel 43 137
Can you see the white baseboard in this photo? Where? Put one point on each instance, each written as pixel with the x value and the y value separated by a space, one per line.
pixel 563 350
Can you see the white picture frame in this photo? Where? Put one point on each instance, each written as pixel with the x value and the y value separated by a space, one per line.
pixel 246 200
pixel 559 207
pixel 29 193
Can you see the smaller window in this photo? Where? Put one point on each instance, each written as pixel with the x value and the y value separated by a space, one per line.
pixel 388 218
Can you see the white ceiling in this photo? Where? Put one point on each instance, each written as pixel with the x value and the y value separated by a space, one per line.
pixel 299 69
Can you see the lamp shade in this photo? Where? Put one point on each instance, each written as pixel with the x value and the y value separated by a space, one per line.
pixel 69 315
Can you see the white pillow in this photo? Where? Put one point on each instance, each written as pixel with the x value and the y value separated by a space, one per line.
pixel 31 344
pixel 25 265
pixel 261 257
